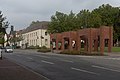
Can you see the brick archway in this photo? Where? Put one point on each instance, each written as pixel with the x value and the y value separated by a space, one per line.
pixel 93 38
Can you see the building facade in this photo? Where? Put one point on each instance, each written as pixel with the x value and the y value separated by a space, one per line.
pixel 36 35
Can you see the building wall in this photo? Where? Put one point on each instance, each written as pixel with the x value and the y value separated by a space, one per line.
pixel 37 38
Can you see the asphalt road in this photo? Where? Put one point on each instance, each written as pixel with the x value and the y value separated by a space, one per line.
pixel 68 67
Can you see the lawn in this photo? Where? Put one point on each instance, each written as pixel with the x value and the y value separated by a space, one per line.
pixel 114 49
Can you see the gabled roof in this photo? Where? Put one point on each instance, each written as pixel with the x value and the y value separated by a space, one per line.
pixel 36 26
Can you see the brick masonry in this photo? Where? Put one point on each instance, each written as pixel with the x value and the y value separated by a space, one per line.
pixel 92 37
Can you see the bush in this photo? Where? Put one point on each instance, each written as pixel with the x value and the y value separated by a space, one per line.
pixel 44 47
pixel 44 50
pixel 33 47
pixel 81 53
pixel 70 52
pixel 18 47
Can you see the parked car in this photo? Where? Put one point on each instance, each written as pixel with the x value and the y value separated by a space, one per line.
pixel 8 49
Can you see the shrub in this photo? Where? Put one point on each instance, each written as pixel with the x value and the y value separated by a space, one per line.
pixel 82 53
pixel 70 52
pixel 43 47
pixel 44 50
pixel 33 47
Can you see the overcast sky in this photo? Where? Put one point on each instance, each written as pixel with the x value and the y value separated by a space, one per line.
pixel 20 13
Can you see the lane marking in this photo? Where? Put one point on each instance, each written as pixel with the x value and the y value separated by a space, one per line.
pixel 18 55
pixel 43 56
pixel 85 71
pixel 29 69
pixel 105 68
pixel 47 62
pixel 67 61
pixel 10 67
pixel 113 58
pixel 29 58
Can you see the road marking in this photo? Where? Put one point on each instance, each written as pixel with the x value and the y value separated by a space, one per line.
pixel 84 71
pixel 47 62
pixel 105 68
pixel 29 58
pixel 67 61
pixel 31 70
pixel 18 55
pixel 10 67
pixel 114 58
pixel 43 56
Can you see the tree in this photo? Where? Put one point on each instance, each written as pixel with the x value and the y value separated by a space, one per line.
pixel 83 18
pixel 95 20
pixel 61 22
pixel 3 26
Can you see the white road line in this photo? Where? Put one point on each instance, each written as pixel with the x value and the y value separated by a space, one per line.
pixel 10 67
pixel 43 56
pixel 31 70
pixel 29 58
pixel 84 71
pixel 47 62
pixel 114 58
pixel 105 68
pixel 67 61
pixel 18 55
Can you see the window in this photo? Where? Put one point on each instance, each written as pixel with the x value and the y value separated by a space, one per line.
pixel 46 33
pixel 36 33
pixel 46 41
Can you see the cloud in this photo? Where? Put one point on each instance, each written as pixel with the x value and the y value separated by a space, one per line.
pixel 21 13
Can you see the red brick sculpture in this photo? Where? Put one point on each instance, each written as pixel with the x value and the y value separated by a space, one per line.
pixel 89 38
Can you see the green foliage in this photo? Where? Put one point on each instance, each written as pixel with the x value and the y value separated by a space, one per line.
pixel 1 37
pixel 3 23
pixel 70 52
pixel 15 39
pixel 61 22
pixel 116 49
pixel 1 40
pixel 81 53
pixel 44 49
pixel 33 47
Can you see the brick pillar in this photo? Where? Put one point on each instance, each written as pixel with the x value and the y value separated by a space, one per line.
pixel 102 44
pixel 70 44
pixel 62 43
pixel 86 45
pixel 96 45
pixel 57 44
pixel 90 42
pixel 78 43
pixel 110 41
pixel 51 45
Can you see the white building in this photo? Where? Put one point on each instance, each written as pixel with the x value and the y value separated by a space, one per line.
pixel 36 36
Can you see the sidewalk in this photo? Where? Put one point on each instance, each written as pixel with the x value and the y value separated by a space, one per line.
pixel 12 71
pixel 114 54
